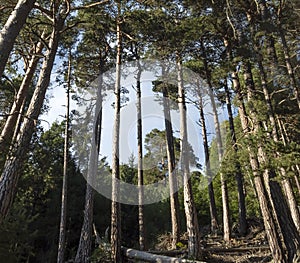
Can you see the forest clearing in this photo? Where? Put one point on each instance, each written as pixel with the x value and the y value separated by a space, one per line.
pixel 149 131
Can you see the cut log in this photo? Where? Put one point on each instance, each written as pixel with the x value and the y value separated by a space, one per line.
pixel 148 257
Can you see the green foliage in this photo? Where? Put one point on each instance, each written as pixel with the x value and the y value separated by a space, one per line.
pixel 33 223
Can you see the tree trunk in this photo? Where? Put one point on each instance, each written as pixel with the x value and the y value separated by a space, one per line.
pixel 83 253
pixel 224 189
pixel 288 64
pixel 10 174
pixel 274 136
pixel 12 28
pixel 238 173
pixel 212 203
pixel 116 208
pixel 140 160
pixel 265 206
pixel 281 211
pixel 64 194
pixel 174 201
pixel 7 132
pixel 286 141
pixel 225 202
pixel 189 206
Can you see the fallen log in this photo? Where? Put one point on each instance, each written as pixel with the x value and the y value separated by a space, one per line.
pixel 171 253
pixel 148 257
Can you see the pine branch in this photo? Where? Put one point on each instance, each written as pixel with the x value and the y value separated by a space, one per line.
pixel 90 5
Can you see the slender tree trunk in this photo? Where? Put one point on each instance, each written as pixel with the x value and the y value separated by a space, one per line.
pixel 212 203
pixel 224 189
pixel 238 175
pixel 83 253
pixel 265 206
pixel 265 14
pixel 64 194
pixel 189 206
pixel 10 123
pixel 116 207
pixel 174 201
pixel 288 63
pixel 10 174
pixel 12 28
pixel 275 133
pixel 281 211
pixel 85 242
pixel 286 141
pixel 140 159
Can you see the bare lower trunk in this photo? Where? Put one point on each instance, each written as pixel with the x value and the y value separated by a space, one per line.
pixel 224 190
pixel 64 194
pixel 174 201
pixel 290 196
pixel 12 28
pixel 280 208
pixel 212 203
pixel 238 172
pixel 83 253
pixel 140 160
pixel 265 206
pixel 10 174
pixel 116 208
pixel 189 206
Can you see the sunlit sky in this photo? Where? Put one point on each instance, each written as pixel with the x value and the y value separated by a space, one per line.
pixel 152 116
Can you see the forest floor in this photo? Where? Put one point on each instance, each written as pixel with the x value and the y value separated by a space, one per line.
pixel 251 248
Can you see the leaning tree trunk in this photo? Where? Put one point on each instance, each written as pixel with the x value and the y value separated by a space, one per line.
pixel 174 201
pixel 275 132
pixel 140 159
pixel 10 174
pixel 288 63
pixel 270 225
pixel 281 210
pixel 212 203
pixel 189 206
pixel 286 140
pixel 64 194
pixel 116 207
pixel 7 132
pixel 12 28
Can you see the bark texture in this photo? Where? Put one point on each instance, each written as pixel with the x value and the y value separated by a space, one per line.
pixel 12 28
pixel 10 174
pixel 116 207
pixel 83 253
pixel 140 159
pixel 194 250
pixel 174 201
pixel 212 203
pixel 64 194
